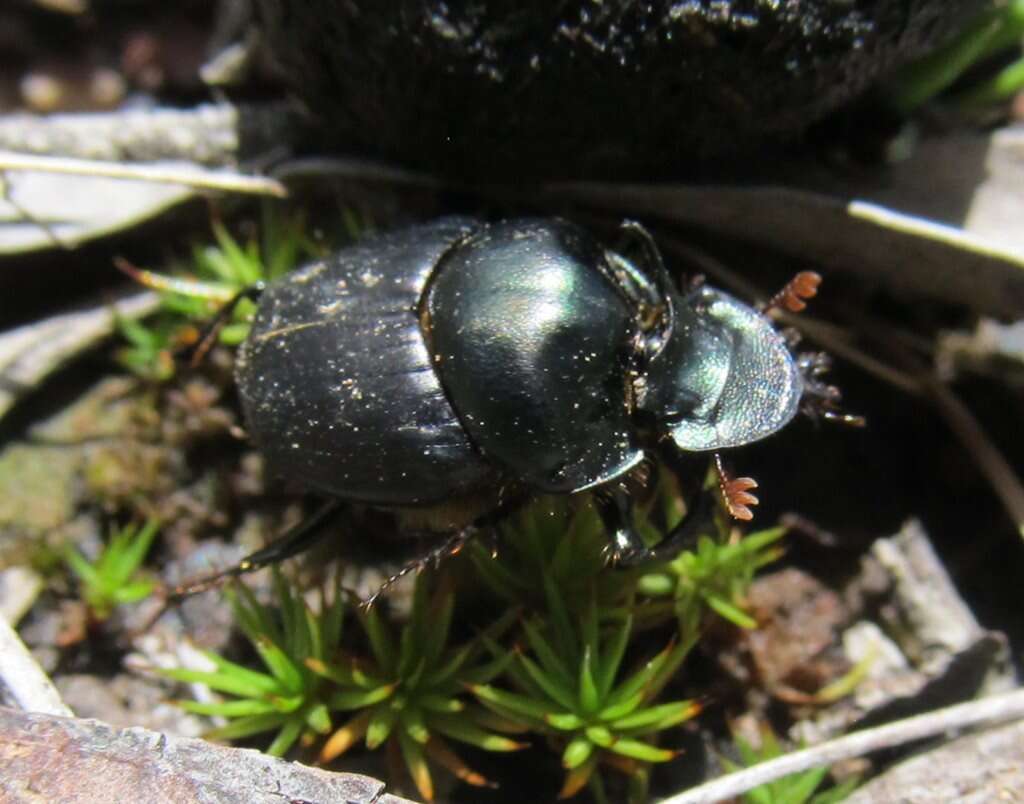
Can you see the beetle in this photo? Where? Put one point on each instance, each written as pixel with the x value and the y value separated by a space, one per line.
pixel 451 369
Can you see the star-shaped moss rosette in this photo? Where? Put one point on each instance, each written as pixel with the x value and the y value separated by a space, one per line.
pixel 288 697
pixel 565 540
pixel 411 694
pixel 798 788
pixel 568 683
pixel 113 578
pixel 715 576
pixel 552 536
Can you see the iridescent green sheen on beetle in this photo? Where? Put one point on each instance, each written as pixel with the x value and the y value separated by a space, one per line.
pixel 486 361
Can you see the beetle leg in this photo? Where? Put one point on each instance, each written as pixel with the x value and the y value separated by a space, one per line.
pixel 736 492
pixel 624 544
pixel 698 519
pixel 821 400
pixel 293 541
pixel 631 551
pixel 214 326
pixel 432 558
pixel 452 545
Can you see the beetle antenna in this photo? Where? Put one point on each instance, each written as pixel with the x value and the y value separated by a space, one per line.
pixel 794 294
pixel 736 492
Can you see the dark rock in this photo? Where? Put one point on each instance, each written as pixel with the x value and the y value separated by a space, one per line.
pixel 530 88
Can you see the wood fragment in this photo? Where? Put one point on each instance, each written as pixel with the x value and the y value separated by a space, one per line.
pixel 22 681
pixel 30 353
pixel 975 769
pixel 185 174
pixel 988 711
pixel 48 758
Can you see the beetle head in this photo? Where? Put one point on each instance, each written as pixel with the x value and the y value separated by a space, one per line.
pixel 724 377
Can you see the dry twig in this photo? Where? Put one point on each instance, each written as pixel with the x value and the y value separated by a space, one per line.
pixel 987 711
pixel 189 176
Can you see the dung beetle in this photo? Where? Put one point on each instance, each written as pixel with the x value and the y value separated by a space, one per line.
pixel 450 369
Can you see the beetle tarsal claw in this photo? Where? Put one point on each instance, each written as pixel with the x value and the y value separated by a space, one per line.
pixel 849 419
pixel 622 551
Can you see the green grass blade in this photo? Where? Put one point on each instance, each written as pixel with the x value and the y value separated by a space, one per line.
pixel 577 752
pixel 279 664
pixel 285 738
pixel 233 709
pixel 466 732
pixel 441 704
pixel 318 718
pixel 381 723
pixel 416 762
pixel 447 672
pixel 414 724
pixel 645 752
pixel 564 696
pixel 248 726
pixel 589 696
pixel 358 699
pixel 641 679
pixel 511 703
pixel 917 83
pixel 222 682
pixel 442 608
pixel 138 547
pixel 656 718
pixel 493 573
pixel 561 622
pixel 611 660
pixel 85 571
pixel 252 617
pixel 565 721
pixel 133 592
pixel 547 655
pixel 259 682
pixel 799 787
pixel 487 672
pixel 332 622
pixel 600 736
pixel 381 643
pixel 728 611
pixel 623 707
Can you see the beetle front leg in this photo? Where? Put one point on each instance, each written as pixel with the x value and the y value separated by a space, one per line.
pixel 624 544
pixel 629 550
